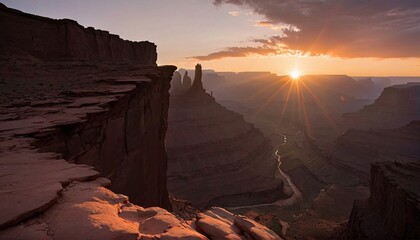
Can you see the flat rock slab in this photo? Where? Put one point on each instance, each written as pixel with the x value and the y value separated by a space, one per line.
pixel 87 210
pixel 31 181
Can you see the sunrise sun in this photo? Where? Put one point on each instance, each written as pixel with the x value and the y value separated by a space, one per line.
pixel 295 74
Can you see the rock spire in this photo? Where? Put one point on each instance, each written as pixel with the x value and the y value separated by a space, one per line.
pixel 186 81
pixel 197 85
pixel 176 83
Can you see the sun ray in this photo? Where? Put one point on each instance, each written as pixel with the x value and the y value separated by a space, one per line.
pixel 269 99
pixel 306 122
pixel 267 86
pixel 320 105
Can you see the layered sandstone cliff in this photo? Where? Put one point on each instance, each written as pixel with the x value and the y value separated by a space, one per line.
pixel 51 39
pixel 397 106
pixel 215 157
pixel 61 113
pixel 393 208
pixel 92 106
pixel 398 143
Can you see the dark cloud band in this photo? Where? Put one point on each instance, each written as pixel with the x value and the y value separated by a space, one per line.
pixel 344 28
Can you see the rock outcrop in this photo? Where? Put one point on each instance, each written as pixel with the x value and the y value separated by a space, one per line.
pixel 393 208
pixel 110 115
pixel 88 210
pixel 61 113
pixel 215 157
pixel 197 86
pixel 397 106
pixel 51 39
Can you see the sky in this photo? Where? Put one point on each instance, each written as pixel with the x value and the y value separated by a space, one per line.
pixel 353 37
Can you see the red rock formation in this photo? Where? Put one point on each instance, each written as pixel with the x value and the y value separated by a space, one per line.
pixel 108 114
pixel 197 85
pixel 392 211
pixel 50 39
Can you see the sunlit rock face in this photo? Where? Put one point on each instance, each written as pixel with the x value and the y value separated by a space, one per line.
pixel 397 106
pixel 215 157
pixel 110 114
pixel 392 210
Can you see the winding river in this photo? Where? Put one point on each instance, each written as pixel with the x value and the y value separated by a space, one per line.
pixel 296 194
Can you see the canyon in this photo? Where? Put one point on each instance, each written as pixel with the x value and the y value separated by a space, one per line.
pixel 328 144
pixel 215 157
pixel 99 142
pixel 83 120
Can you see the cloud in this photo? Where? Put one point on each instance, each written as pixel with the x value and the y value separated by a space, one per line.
pixel 276 27
pixel 234 13
pixel 344 28
pixel 266 47
pixel 238 52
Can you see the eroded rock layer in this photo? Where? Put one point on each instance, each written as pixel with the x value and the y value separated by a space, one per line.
pixel 393 208
pixel 215 157
pixel 46 38
pixel 397 106
pixel 97 119
pixel 399 142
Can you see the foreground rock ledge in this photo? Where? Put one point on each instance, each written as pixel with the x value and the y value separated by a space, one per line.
pixel 88 210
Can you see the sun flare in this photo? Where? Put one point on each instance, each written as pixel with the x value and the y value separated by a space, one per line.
pixel 295 74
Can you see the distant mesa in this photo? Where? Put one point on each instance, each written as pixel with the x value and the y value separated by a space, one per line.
pixel 396 106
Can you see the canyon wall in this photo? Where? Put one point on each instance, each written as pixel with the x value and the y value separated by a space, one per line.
pixel 51 39
pixel 398 143
pixel 104 109
pixel 392 210
pixel 397 106
pixel 215 157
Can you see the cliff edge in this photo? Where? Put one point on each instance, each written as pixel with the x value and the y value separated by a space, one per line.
pixel 392 210
pixel 79 107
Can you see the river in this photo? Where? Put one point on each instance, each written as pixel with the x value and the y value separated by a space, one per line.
pixel 296 194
